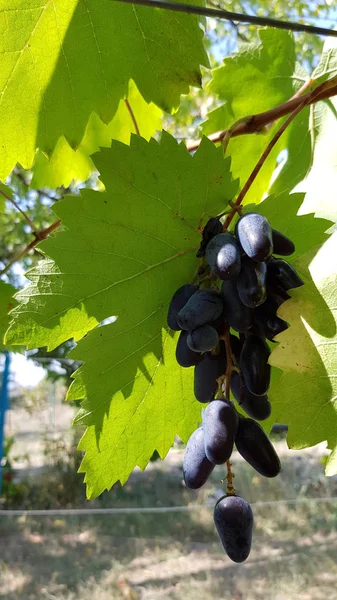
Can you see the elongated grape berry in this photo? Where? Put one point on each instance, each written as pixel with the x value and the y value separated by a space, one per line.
pixel 212 228
pixel 233 518
pixel 220 323
pixel 204 306
pixel 254 364
pixel 220 426
pixel 280 272
pixel 256 448
pixel 236 347
pixel 255 236
pixel 206 374
pixel 256 407
pixel 282 244
pixel 203 339
pixel 276 289
pixel 196 468
pixel 223 256
pixel 179 299
pixel 184 355
pixel 251 283
pixel 238 315
pixel 268 325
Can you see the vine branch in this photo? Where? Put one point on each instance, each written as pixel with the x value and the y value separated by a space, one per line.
pixel 304 101
pixel 132 115
pixel 39 236
pixel 255 123
pixel 26 217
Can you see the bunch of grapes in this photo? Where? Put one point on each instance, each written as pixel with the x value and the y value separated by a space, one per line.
pixel 253 284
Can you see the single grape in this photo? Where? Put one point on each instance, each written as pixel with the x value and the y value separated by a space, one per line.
pixel 255 236
pixel 257 407
pixel 184 355
pixel 236 347
pixel 268 325
pixel 274 288
pixel 220 323
pixel 203 339
pixel 238 315
pixel 282 245
pixel 179 299
pixel 223 256
pixel 220 422
pixel 251 283
pixel 206 373
pixel 204 306
pixel 197 468
pixel 256 448
pixel 233 518
pixel 211 229
pixel 273 301
pixel 281 273
pixel 254 364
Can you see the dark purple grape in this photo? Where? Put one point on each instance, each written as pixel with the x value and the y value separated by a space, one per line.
pixel 236 346
pixel 281 273
pixel 220 323
pixel 184 355
pixel 179 299
pixel 273 301
pixel 203 339
pixel 254 364
pixel 257 407
pixel 233 518
pixel 206 373
pixel 204 306
pixel 251 283
pixel 282 245
pixel 268 325
pixel 238 315
pixel 220 422
pixel 255 236
pixel 212 228
pixel 223 256
pixel 197 468
pixel 266 322
pixel 256 448
pixel 277 290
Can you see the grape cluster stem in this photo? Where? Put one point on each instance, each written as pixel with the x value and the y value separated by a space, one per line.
pixel 229 478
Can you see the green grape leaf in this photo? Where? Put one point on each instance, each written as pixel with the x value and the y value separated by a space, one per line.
pixel 298 141
pixel 7 302
pixel 256 79
pixel 66 165
pixel 61 61
pixel 306 351
pixel 327 66
pixel 123 253
pixel 320 183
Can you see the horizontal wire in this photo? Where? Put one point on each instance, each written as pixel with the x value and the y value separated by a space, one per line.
pixel 219 13
pixel 143 510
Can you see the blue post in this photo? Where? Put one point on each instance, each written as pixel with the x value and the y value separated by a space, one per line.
pixel 3 408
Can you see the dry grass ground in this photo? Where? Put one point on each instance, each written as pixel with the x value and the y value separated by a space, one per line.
pixel 176 555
